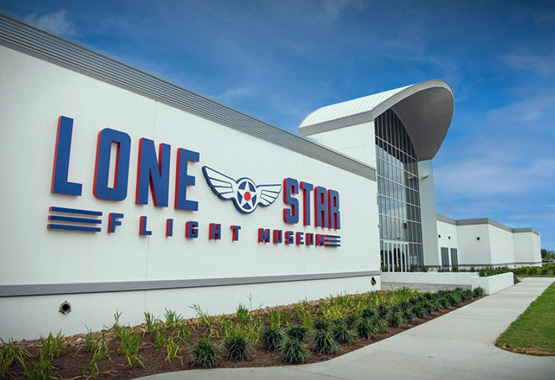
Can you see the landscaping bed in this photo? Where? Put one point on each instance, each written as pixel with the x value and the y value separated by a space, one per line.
pixel 304 332
pixel 533 332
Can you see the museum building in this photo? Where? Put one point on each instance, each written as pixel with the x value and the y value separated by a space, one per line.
pixel 123 192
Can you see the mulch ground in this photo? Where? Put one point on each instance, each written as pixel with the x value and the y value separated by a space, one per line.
pixel 74 359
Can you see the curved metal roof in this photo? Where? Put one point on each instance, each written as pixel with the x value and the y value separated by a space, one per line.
pixel 425 108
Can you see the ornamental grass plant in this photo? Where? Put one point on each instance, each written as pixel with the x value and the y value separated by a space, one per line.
pixel 294 351
pixel 205 353
pixel 272 337
pixel 329 325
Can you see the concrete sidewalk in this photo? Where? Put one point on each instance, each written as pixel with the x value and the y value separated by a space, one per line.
pixel 458 345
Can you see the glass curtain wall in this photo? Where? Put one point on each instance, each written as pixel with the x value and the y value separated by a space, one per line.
pixel 398 196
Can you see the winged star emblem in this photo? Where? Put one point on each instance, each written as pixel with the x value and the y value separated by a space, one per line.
pixel 244 193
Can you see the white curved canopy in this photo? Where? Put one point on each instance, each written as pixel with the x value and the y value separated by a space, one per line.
pixel 426 110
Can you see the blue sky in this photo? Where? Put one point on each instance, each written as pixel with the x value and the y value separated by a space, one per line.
pixel 280 60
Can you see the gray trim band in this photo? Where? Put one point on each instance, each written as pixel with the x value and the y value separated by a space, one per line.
pixel 486 265
pixel 478 221
pixel 135 286
pixel 30 40
pixel 500 264
pixel 445 219
pixel 521 230
pixel 471 222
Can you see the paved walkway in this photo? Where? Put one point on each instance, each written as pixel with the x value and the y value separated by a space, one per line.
pixel 458 345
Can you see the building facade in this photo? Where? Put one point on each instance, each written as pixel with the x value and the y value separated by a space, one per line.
pixel 477 243
pixel 126 193
pixel 408 126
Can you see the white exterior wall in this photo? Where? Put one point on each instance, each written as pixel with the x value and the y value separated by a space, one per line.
pixel 357 141
pixel 474 252
pixel 428 214
pixel 449 235
pixel 497 246
pixel 501 246
pixel 527 249
pixel 35 93
pixel 491 284
pixel 536 250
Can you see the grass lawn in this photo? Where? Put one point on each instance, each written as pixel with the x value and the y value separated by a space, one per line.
pixel 534 330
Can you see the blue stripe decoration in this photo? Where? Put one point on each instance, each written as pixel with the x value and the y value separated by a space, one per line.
pixel 332 240
pixel 75 211
pixel 58 218
pixel 72 228
pixel 74 223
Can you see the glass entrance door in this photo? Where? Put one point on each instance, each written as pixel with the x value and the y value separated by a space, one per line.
pixel 395 256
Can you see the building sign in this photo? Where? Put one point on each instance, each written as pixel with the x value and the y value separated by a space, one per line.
pixel 318 206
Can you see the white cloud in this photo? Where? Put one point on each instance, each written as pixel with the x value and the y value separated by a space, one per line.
pixel 233 94
pixel 542 64
pixel 334 7
pixel 58 22
pixel 493 174
pixel 534 113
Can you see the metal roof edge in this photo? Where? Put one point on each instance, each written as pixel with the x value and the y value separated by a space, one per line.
pixel 33 41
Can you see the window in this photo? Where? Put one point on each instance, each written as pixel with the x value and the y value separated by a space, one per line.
pixel 398 195
pixel 445 258
pixel 454 258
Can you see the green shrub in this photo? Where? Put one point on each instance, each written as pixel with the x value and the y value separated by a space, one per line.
pixel 205 353
pixel 184 333
pixel 172 319
pixel 454 298
pixel 297 332
pixel 367 313
pixel 160 335
pixel 243 314
pixel 466 294
pixel 409 315
pixel 321 324
pixel 294 351
pixel 236 346
pixel 10 354
pixel 276 317
pixel 444 302
pixel 51 346
pixel 90 342
pixel 340 332
pixel 492 271
pixel 150 322
pixel 324 343
pixel 377 325
pixel 430 306
pixel 40 370
pixel 420 311
pixel 364 328
pixel 129 346
pixel 272 337
pixel 381 310
pixel 478 292
pixel 414 301
pixel 429 296
pixel 351 321
pixel 172 349
pixel 394 318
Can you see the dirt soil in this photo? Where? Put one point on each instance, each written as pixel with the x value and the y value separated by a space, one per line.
pixel 74 358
